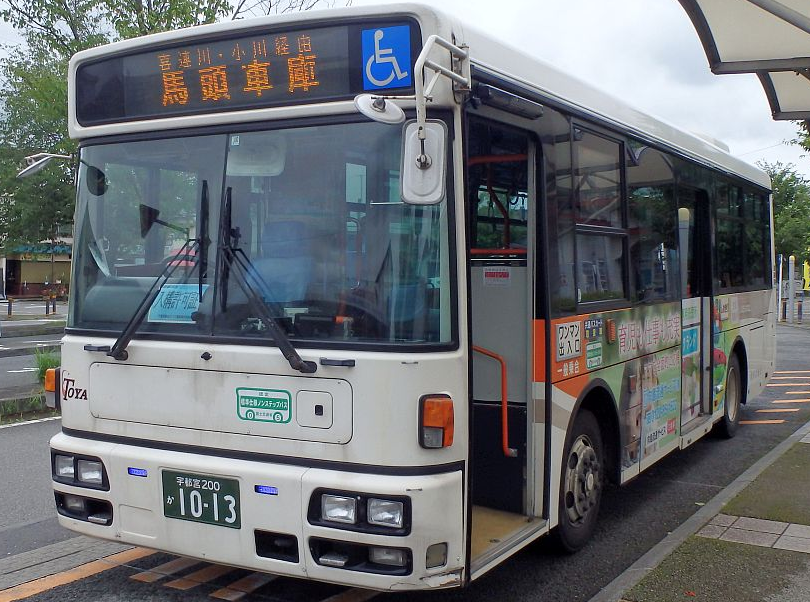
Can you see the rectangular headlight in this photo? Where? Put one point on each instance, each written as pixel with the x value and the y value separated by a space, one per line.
pixel 63 466
pixel 90 471
pixel 338 509
pixel 386 513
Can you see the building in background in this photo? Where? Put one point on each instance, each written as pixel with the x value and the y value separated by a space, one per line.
pixel 36 269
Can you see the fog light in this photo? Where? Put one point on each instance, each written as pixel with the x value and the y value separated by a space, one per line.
pixel 74 504
pixel 389 556
pixel 436 555
pixel 385 513
pixel 338 509
pixel 63 466
pixel 90 472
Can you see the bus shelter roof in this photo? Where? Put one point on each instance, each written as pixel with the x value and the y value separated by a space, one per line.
pixel 768 37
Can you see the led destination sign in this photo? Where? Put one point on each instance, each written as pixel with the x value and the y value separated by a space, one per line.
pixel 263 69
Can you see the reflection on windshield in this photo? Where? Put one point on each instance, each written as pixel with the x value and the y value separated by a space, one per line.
pixel 332 251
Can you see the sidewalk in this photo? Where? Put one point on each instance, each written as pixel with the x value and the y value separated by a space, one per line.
pixel 28 320
pixel 750 543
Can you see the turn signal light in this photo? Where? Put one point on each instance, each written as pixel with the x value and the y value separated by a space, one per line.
pixel 435 421
pixel 50 380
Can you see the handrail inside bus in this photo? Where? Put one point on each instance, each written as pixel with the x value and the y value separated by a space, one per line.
pixel 509 452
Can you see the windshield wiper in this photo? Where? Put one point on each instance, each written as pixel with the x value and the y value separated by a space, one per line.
pixel 119 348
pixel 200 244
pixel 235 260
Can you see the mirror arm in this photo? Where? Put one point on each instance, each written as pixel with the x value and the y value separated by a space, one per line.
pixel 464 80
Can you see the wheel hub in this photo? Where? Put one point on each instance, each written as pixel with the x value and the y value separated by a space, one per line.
pixel 581 479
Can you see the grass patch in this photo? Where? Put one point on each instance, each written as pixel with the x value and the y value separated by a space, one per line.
pixel 767 497
pixel 45 360
pixel 25 416
pixel 713 570
pixel 26 408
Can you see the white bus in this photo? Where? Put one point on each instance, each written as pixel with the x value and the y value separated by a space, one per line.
pixel 368 297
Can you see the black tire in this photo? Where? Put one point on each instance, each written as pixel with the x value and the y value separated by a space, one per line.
pixel 727 427
pixel 581 483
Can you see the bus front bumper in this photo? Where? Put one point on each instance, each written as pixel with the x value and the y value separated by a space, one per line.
pixel 266 516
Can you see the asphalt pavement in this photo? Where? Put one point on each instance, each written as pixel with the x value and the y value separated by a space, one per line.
pixel 635 521
pixel 28 518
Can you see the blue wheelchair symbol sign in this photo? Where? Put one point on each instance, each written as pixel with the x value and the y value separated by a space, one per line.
pixel 386 57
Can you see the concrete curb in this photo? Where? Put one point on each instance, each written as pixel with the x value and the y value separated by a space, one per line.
pixel 28 350
pixel 25 330
pixel 639 569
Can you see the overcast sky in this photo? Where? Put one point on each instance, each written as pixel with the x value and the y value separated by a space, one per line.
pixel 646 53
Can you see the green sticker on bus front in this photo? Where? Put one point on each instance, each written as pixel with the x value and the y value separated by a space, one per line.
pixel 264 405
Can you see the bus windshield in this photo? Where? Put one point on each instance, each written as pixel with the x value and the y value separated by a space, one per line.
pixel 314 215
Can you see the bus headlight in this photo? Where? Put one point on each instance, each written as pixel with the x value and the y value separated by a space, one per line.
pixel 338 509
pixel 63 466
pixel 386 513
pixel 90 472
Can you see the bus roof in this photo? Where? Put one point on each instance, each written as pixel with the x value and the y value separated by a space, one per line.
pixel 488 55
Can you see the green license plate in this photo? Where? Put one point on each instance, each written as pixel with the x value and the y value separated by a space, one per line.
pixel 201 498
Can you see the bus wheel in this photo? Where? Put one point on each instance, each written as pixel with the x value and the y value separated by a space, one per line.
pixel 727 427
pixel 582 482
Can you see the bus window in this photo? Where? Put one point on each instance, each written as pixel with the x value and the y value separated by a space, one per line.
pixel 601 236
pixel 498 189
pixel 652 213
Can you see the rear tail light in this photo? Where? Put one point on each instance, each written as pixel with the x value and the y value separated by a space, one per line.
pixel 435 421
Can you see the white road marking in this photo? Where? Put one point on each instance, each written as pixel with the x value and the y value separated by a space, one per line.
pixel 21 370
pixel 8 426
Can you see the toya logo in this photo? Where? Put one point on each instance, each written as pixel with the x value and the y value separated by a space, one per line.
pixel 69 388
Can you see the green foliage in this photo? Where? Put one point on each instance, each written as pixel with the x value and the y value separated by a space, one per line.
pixel 33 90
pixel 45 360
pixel 791 210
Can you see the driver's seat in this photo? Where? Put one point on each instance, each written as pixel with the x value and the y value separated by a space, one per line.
pixel 285 264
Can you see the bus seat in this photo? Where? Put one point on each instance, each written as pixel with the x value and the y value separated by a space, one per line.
pixel 286 262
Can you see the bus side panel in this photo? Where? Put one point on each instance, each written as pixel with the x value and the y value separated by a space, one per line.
pixel 748 316
pixel 634 354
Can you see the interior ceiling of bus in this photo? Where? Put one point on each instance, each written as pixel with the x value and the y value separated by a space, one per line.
pixel 770 38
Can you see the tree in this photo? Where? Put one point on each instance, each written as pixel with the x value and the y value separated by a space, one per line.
pixel 791 210
pixel 33 88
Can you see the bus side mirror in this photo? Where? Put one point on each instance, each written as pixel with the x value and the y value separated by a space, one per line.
pixel 424 163
pixel 96 181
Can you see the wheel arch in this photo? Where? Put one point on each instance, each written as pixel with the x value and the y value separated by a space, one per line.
pixel 598 399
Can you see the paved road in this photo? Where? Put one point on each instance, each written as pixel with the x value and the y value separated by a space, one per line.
pixel 27 519
pixel 633 519
pixel 17 371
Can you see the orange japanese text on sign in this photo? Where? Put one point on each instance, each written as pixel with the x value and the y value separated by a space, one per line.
pixel 282 47
pixel 174 88
pixel 214 83
pixel 259 49
pixel 165 62
pixel 258 77
pixel 237 53
pixel 184 59
pixel 203 57
pixel 302 68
